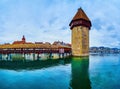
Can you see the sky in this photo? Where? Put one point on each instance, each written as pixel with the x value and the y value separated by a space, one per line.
pixel 48 20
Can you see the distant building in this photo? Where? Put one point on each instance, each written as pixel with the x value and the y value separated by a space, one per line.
pixel 58 43
pixel 61 43
pixel 47 43
pixel 93 49
pixel 23 41
pixel 104 50
pixel 6 43
pixel 38 42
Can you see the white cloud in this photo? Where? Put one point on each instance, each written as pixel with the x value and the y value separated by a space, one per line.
pixel 45 20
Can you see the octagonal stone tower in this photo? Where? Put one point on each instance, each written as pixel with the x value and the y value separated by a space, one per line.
pixel 80 26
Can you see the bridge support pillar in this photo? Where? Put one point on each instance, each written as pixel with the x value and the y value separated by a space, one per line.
pixel 33 56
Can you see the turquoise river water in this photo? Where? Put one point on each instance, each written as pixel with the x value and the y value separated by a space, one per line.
pixel 95 72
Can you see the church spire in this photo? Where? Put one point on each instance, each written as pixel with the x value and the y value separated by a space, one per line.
pixel 23 38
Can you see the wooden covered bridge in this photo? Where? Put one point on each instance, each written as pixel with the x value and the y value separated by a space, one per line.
pixel 34 49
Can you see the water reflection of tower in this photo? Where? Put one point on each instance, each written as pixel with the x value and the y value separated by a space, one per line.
pixel 80 75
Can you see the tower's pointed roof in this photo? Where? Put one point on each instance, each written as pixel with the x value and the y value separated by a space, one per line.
pixel 80 15
pixel 80 19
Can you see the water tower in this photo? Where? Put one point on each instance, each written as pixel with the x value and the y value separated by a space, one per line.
pixel 80 26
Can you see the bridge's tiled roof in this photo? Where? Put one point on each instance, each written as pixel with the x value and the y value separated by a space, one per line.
pixel 31 45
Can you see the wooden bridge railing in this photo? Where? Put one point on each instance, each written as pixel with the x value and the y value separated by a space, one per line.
pixel 38 50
